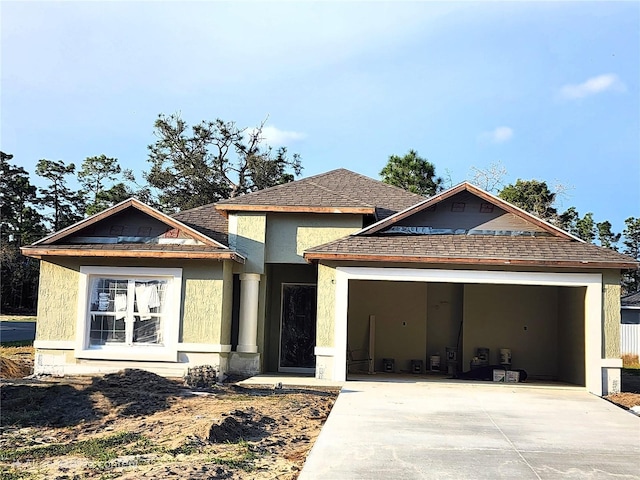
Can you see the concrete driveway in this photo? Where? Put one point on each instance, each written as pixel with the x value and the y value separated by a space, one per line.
pixel 408 429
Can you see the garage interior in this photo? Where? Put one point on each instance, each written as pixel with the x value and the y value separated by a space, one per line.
pixel 543 326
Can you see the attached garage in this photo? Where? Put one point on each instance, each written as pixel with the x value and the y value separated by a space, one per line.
pixel 467 270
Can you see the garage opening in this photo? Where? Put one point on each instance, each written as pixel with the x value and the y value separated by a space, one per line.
pixel 542 325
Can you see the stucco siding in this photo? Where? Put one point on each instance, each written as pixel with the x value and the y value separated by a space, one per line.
pixel 202 300
pixel 289 235
pixel 325 332
pixel 247 234
pixel 611 314
pixel 57 302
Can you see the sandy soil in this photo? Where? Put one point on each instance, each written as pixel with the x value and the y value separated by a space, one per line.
pixel 135 424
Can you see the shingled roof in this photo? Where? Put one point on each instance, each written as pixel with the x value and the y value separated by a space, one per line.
pixel 208 221
pixel 530 242
pixel 471 249
pixel 337 191
pixel 632 300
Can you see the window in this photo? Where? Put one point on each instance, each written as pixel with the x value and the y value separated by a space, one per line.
pixel 128 313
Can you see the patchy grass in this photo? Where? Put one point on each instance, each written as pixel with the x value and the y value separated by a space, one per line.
pixel 17 343
pixel 103 449
pixel 631 362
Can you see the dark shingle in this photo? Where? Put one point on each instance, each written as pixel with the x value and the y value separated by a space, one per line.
pixel 475 248
pixel 334 189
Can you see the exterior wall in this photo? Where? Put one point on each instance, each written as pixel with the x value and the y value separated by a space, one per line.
pixel 611 315
pixel 289 235
pixel 206 306
pixel 202 304
pixel 401 320
pixel 247 235
pixel 470 218
pixel 571 335
pixel 57 302
pixel 521 318
pixel 325 328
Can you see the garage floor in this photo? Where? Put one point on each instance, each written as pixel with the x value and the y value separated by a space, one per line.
pixel 406 428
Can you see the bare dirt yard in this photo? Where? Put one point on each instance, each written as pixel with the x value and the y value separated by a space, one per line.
pixel 135 424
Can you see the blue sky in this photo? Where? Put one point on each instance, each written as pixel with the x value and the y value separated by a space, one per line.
pixel 548 89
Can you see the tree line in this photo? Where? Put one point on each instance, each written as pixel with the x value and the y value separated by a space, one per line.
pixel 208 162
pixel 189 167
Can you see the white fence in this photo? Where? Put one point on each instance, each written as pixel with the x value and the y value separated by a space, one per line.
pixel 630 339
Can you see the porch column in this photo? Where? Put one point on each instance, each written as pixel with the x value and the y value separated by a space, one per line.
pixel 248 331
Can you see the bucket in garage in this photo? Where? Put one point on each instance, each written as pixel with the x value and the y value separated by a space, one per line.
pixel 452 360
pixel 434 363
pixel 483 355
pixel 505 356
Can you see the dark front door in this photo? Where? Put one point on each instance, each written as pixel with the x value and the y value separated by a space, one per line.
pixel 298 328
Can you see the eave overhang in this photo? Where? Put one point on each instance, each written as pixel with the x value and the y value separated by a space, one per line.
pixel 229 208
pixel 312 257
pixel 61 251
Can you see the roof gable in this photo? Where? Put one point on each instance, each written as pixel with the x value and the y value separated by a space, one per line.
pixel 130 222
pixel 468 210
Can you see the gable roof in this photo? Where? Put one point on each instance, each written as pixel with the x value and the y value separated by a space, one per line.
pixel 630 301
pixel 336 191
pixel 468 187
pixel 543 246
pixel 61 244
pixel 471 250
pixel 207 220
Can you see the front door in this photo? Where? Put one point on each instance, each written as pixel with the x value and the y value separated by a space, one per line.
pixel 298 328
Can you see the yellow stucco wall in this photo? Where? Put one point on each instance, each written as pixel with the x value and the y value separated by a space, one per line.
pixel 202 300
pixel 57 302
pixel 206 297
pixel 289 235
pixel 611 314
pixel 247 234
pixel 325 326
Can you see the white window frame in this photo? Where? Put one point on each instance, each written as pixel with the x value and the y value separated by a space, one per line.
pixel 168 351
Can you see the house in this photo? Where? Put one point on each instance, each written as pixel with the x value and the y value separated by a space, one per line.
pixel 288 279
pixel 630 324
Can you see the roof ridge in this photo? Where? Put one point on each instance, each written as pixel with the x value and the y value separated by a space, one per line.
pixel 388 185
pixel 282 185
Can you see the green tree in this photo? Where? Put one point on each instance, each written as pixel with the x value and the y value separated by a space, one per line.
pixel 631 242
pixel 20 224
pixel 531 195
pixel 606 237
pixel 211 161
pixel 95 175
pixel 413 173
pixel 67 205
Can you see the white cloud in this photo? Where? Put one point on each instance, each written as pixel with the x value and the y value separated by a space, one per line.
pixel 498 135
pixel 277 138
pixel 592 86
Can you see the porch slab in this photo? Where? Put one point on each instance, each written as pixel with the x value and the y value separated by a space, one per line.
pixel 293 380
